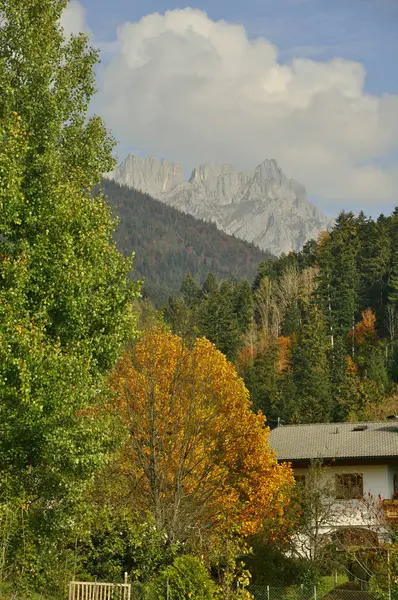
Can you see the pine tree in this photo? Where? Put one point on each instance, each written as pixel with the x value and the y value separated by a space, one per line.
pixel 217 318
pixel 373 265
pixel 339 277
pixel 393 270
pixel 181 318
pixel 310 369
pixel 210 286
pixel 190 291
pixel 262 380
pixel 243 305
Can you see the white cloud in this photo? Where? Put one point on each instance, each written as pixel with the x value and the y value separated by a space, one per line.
pixel 73 19
pixel 183 86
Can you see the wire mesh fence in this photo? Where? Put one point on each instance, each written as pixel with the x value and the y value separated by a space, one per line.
pixel 263 592
pixel 341 594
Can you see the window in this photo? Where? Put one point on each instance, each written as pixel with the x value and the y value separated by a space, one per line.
pixel 349 486
pixel 395 491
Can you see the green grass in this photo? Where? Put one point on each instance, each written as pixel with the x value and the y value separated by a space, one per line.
pixel 328 583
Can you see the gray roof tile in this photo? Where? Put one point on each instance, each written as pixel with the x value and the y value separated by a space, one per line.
pixel 335 440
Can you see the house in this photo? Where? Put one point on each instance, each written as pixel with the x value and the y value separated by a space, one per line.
pixel 360 460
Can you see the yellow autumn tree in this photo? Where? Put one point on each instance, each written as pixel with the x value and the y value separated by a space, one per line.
pixel 197 457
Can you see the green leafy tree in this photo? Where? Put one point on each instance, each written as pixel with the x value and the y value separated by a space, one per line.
pixel 116 542
pixel 65 291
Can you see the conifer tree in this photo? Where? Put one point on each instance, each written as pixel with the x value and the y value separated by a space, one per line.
pixel 210 285
pixel 244 308
pixel 190 291
pixel 218 319
pixel 373 265
pixel 262 380
pixel 393 270
pixel 310 369
pixel 339 277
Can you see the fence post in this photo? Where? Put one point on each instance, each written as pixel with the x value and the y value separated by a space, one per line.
pixel 268 595
pixel 389 573
pixel 314 592
pixel 302 591
pixel 167 590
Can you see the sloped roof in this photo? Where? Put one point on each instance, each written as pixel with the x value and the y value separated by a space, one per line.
pixel 335 441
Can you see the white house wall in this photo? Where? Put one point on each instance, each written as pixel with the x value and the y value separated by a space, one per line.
pixel 377 481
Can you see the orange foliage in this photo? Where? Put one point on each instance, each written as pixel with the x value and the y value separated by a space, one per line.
pixel 246 357
pixel 365 330
pixel 323 238
pixel 197 455
pixel 284 344
pixel 352 368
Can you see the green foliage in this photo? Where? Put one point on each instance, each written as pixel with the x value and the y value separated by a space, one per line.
pixel 262 380
pixel 187 577
pixel 65 291
pixel 222 312
pixel 383 584
pixel 218 319
pixel 244 306
pixel 310 371
pixel 339 277
pixel 116 542
pixel 316 339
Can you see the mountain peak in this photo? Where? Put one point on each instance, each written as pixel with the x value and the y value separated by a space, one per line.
pixel 261 206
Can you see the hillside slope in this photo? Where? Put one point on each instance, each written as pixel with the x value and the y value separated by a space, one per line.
pixel 169 243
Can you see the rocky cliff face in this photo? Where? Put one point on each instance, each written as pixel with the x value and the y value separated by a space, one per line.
pixel 261 206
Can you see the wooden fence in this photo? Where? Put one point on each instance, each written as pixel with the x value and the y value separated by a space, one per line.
pixel 83 590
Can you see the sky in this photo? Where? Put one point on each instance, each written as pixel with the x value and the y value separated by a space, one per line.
pixel 311 83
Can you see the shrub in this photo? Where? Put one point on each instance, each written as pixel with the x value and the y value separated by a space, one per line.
pixel 187 578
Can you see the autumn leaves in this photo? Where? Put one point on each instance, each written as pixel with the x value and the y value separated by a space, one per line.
pixel 197 457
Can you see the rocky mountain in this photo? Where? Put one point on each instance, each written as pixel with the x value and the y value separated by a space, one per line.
pixel 261 206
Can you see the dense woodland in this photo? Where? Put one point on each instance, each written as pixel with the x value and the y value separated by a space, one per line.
pixel 125 447
pixel 168 243
pixel 315 336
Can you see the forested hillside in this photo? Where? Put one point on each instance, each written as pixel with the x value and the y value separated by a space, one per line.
pixel 168 244
pixel 316 336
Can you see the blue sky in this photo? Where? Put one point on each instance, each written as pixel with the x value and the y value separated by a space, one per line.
pixel 311 83
pixel 361 30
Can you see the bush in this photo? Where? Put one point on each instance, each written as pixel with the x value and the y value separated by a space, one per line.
pixel 187 578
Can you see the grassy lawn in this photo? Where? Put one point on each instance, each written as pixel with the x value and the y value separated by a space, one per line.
pixel 328 583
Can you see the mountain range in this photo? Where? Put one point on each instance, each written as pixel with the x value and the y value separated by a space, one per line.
pixel 261 206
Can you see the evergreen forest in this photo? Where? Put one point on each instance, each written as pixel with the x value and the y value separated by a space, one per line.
pixel 315 336
pixel 168 243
